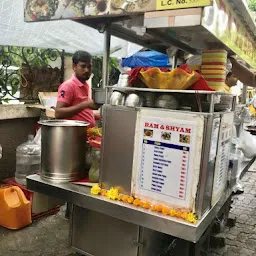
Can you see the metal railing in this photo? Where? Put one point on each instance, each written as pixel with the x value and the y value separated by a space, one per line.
pixel 26 71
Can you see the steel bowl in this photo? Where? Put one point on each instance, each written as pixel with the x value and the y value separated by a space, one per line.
pixel 149 99
pixel 133 100
pixel 166 101
pixel 117 98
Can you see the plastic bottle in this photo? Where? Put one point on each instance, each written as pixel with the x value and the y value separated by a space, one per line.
pixel 28 160
pixel 94 171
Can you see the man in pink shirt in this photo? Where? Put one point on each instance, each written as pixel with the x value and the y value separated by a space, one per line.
pixel 73 100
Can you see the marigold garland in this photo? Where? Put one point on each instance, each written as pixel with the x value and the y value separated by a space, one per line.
pixel 113 194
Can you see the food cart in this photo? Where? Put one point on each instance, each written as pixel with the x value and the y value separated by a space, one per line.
pixel 178 158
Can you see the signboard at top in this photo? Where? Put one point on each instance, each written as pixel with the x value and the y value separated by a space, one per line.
pixel 224 24
pixel 178 4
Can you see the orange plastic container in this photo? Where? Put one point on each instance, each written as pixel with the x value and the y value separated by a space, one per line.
pixel 15 209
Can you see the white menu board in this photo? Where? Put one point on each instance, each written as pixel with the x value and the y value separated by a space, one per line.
pixel 222 159
pixel 167 165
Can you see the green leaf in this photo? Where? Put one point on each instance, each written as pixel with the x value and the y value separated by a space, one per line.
pixel 252 5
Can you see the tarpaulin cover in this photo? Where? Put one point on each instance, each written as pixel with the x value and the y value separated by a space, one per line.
pixel 61 34
pixel 146 59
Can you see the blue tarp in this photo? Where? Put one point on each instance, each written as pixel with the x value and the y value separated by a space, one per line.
pixel 146 59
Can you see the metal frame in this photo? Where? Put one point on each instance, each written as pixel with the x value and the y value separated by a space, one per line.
pixel 168 91
pixel 204 167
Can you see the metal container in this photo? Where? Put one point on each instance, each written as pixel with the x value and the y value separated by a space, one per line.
pixel 63 145
pixel 133 100
pixel 123 80
pixel 166 101
pixel 99 96
pixel 149 99
pixel 117 98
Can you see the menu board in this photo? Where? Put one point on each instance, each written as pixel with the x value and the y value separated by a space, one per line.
pixel 222 159
pixel 164 170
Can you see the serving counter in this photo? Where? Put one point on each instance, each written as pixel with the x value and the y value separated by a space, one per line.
pixel 121 214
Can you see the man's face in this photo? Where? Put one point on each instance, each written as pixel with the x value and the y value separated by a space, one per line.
pixel 83 70
pixel 232 81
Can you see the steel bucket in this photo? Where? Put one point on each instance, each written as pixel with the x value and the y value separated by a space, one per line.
pixel 63 150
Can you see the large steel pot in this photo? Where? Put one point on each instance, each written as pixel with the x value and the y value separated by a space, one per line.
pixel 63 145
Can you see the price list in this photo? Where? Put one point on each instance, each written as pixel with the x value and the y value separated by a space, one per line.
pixel 164 168
pixel 223 158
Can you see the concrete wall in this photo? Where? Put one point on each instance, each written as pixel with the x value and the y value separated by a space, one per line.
pixel 16 122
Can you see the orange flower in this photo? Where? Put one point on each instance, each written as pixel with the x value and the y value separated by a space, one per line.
pixel 159 208
pixel 141 204
pixel 103 192
pixel 146 205
pixel 136 202
pixel 178 214
pixel 125 199
pixel 130 200
pixel 120 197
pixel 165 211
pixel 153 208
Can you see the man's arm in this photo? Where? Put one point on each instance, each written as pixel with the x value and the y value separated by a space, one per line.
pixel 64 110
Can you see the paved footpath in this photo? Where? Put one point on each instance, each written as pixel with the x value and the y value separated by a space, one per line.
pixel 45 237
pixel 241 239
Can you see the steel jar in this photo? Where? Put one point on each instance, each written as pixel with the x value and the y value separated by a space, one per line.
pixel 63 150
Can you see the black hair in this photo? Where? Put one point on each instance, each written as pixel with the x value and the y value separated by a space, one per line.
pixel 82 56
pixel 229 74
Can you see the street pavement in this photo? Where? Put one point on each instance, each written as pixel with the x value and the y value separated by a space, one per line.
pixel 241 239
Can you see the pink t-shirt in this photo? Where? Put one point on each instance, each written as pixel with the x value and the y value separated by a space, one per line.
pixel 74 92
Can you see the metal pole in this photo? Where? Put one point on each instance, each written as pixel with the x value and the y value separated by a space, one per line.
pixel 174 61
pixel 106 52
pixel 211 110
pixel 244 94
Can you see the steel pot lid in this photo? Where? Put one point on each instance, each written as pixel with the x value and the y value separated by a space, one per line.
pixel 63 123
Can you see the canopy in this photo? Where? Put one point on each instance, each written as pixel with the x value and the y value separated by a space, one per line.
pixel 63 34
pixel 146 59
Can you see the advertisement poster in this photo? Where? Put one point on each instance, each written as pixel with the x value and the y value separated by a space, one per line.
pixel 38 10
pixel 223 155
pixel 166 160
pixel 221 20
